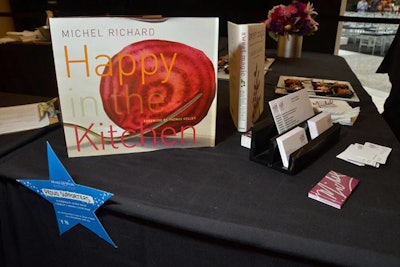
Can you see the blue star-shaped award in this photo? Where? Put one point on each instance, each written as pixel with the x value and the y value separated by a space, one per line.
pixel 73 203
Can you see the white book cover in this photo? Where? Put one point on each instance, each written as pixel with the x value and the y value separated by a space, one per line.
pixel 129 85
pixel 290 142
pixel 246 45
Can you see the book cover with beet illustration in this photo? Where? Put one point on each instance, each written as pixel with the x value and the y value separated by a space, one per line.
pixel 129 85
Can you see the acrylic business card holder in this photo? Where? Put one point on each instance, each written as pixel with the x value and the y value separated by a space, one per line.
pixel 264 149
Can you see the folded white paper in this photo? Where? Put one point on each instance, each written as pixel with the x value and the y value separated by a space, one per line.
pixel 365 154
pixel 346 155
pixel 377 152
pixel 340 110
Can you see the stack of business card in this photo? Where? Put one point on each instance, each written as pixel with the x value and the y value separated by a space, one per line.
pixel 319 124
pixel 290 142
pixel 365 154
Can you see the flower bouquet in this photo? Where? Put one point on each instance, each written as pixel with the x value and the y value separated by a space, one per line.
pixel 296 18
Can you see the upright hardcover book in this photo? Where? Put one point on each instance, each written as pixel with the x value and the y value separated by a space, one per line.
pixel 246 45
pixel 130 85
pixel 333 189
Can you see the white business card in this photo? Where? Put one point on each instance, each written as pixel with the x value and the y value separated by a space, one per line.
pixel 290 142
pixel 245 139
pixel 290 110
pixel 319 124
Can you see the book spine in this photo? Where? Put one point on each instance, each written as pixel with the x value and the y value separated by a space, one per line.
pixel 243 79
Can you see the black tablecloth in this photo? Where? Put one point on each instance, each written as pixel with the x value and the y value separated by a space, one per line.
pixel 213 206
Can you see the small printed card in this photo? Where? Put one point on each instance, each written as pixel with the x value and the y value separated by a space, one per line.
pixel 245 139
pixel 365 154
pixel 290 142
pixel 290 110
pixel 333 189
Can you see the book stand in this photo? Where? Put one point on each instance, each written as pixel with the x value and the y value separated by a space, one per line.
pixel 264 149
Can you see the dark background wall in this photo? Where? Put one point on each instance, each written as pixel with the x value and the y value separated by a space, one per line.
pixel 37 64
pixel 29 14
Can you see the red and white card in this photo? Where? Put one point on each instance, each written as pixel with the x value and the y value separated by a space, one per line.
pixel 334 189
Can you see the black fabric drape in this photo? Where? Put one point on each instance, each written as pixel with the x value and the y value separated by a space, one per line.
pixel 391 66
pixel 212 206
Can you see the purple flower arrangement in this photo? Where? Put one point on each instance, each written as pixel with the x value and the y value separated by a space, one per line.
pixel 295 18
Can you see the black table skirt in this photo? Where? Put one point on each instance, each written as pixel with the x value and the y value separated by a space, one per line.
pixel 213 206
